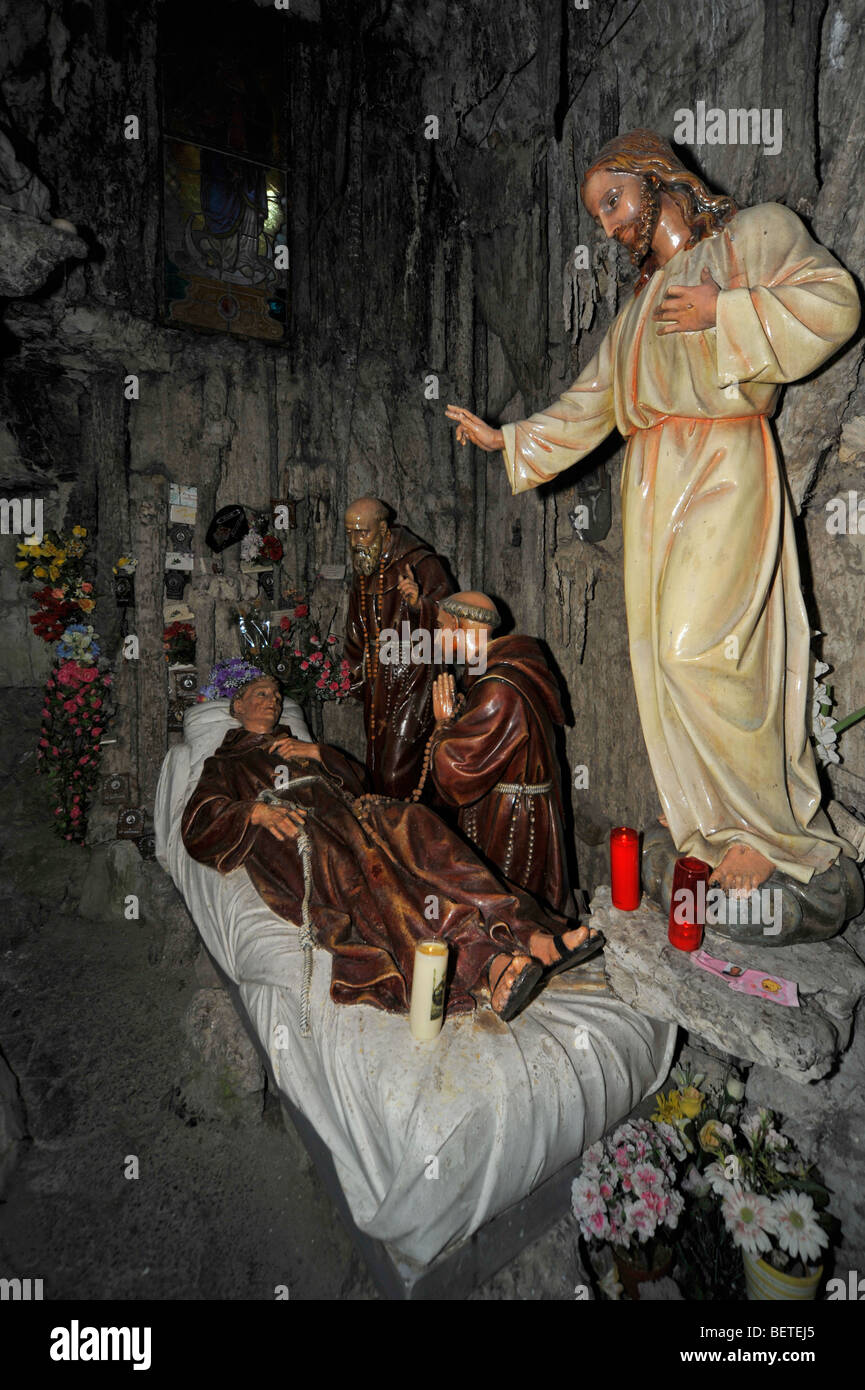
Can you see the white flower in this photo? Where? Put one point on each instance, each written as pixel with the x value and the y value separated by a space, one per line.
pixel 696 1182
pixel 751 1126
pixel 717 1179
pixel 799 1232
pixel 823 728
pixel 735 1088
pixel 775 1141
pixel 749 1220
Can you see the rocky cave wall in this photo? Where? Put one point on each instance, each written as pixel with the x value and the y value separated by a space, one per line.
pixel 412 258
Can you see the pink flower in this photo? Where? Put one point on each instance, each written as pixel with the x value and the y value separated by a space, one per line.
pixel 304 665
pixel 77 772
pixel 320 684
pixel 95 732
pixel 59 811
pixel 106 680
pixel 43 743
pixel 316 658
pixel 70 706
pixel 315 641
pixel 45 712
pixel 296 652
pixel 647 1178
pixel 88 674
pixel 605 1190
pixel 334 685
pixel 285 624
pixel 331 639
pixel 598 1224
pixel 83 761
pixel 55 752
pixel 78 729
pixel 97 704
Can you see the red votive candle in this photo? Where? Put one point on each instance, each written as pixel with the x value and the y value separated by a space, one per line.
pixel 625 868
pixel 688 903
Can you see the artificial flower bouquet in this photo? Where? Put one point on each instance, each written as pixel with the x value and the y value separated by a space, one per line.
pixel 626 1193
pixel 60 554
pixel 260 546
pixel 77 694
pixel 748 1190
pixel 178 643
pixel 296 654
pixel 773 1203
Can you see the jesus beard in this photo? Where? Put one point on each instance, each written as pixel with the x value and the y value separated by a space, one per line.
pixel 636 235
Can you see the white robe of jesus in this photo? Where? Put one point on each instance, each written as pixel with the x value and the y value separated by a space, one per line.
pixel 718 632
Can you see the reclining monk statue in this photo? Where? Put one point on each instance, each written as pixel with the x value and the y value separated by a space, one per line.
pixel 379 875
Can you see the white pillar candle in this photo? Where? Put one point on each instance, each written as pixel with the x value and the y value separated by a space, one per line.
pixel 426 1010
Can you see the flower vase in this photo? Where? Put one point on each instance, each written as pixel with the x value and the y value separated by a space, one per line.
pixel 631 1276
pixel 766 1284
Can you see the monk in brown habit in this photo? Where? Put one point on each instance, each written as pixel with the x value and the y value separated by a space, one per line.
pixel 493 754
pixel 383 874
pixel 397 580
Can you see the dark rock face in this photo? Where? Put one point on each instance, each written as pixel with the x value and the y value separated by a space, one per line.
pixel 435 153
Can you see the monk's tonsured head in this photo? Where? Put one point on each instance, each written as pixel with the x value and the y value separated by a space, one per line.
pixel 470 612
pixel 624 186
pixel 257 705
pixel 366 528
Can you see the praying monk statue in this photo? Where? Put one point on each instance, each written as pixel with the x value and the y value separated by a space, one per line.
pixel 397 579
pixel 365 870
pixel 729 306
pixel 493 755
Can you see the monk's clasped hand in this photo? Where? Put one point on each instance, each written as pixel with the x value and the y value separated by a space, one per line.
pixel 444 698
pixel 689 308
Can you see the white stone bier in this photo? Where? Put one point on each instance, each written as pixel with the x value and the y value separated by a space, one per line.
pixel 426 1010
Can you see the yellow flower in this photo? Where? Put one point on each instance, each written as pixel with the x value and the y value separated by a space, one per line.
pixel 21 564
pixel 60 557
pixel 667 1108
pixel 708 1136
pixel 49 548
pixel 53 571
pixel 39 572
pixel 691 1102
pixel 85 604
pixel 79 530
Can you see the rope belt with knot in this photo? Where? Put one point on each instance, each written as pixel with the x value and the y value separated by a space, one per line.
pixel 517 790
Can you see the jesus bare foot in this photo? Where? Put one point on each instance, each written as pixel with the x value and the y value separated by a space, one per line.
pixel 742 869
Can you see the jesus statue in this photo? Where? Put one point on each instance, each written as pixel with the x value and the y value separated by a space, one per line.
pixel 729 306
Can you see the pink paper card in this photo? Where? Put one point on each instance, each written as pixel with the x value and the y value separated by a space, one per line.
pixel 771 987
pixel 724 969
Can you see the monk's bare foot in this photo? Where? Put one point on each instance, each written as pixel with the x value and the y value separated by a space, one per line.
pixel 742 869
pixel 662 820
pixel 504 972
pixel 543 947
